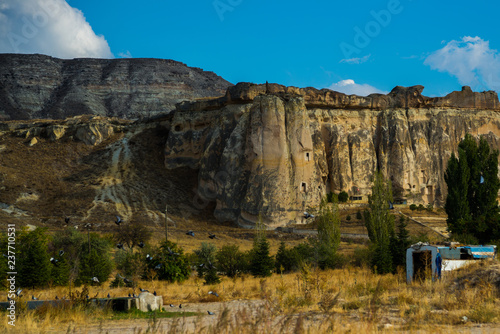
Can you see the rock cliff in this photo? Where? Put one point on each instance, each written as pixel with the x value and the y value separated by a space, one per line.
pixel 38 86
pixel 255 150
pixel 275 151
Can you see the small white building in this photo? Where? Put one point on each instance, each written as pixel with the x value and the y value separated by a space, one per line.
pixel 421 258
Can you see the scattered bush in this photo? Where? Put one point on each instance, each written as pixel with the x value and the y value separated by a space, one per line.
pixel 132 265
pixel 231 261
pixel 332 197
pixel 362 257
pixel 348 218
pixel 343 196
pixel 132 234
pixel 413 207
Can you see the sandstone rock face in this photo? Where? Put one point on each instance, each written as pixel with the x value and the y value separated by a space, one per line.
pixel 271 151
pixel 275 151
pixel 38 86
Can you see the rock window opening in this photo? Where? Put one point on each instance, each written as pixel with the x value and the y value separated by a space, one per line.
pixel 303 187
pixel 307 156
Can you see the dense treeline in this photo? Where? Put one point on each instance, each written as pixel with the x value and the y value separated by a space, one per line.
pixel 79 258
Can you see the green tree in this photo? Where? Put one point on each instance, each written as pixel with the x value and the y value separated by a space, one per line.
pixel 328 235
pixel 132 234
pixel 69 241
pixel 4 265
pixel 231 261
pixel 170 262
pixel 60 270
pixel 380 223
pixel 32 259
pixel 131 264
pixel 206 263
pixel 95 260
pixel 285 259
pixel 400 243
pixel 261 262
pixel 473 184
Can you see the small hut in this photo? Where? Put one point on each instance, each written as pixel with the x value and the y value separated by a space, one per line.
pixel 424 260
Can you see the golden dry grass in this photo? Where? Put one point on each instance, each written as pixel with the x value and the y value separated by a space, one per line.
pixel 331 301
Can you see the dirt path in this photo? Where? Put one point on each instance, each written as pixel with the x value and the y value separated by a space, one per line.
pixel 257 316
pixel 439 230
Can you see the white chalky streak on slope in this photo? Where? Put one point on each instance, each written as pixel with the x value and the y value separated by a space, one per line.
pixel 112 185
pixel 120 185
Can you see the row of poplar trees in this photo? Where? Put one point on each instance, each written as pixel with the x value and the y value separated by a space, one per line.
pixel 471 205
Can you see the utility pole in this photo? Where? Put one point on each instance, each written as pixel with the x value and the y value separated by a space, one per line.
pixel 166 222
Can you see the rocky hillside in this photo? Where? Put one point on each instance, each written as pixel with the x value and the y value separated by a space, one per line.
pixel 38 86
pixel 266 150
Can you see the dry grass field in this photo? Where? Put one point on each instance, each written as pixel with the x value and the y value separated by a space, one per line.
pixel 349 300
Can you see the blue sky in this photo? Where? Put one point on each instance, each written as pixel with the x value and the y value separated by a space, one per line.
pixel 355 47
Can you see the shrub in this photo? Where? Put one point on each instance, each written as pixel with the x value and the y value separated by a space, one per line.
pixel 343 196
pixel 132 234
pixel 132 265
pixel 332 197
pixel 362 257
pixel 421 207
pixel 421 237
pixel 413 207
pixel 231 261
pixel 348 218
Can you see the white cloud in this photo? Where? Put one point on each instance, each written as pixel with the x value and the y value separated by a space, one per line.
pixel 125 54
pixel 355 60
pixel 50 27
pixel 349 87
pixel 470 60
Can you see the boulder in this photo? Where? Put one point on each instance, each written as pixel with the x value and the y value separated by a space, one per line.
pixel 149 302
pixel 55 132
pixel 93 133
